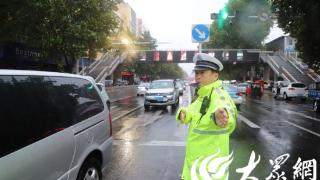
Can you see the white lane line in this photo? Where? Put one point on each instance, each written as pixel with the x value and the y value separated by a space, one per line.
pixel 164 143
pixel 126 113
pixel 301 114
pixel 297 126
pixel 146 121
pixel 151 143
pixel 248 122
pixel 154 117
pixel 119 99
pixel 112 107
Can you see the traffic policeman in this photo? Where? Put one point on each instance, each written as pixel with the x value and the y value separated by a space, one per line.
pixel 211 119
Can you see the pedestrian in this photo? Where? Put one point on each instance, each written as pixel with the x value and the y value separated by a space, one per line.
pixel 211 119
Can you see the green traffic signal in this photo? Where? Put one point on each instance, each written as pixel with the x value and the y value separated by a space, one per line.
pixel 223 15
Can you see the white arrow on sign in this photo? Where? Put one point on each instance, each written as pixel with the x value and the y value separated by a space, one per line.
pixel 202 35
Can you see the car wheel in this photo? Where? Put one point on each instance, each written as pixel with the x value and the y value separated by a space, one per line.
pixel 316 106
pixel 146 107
pixel 91 169
pixel 174 106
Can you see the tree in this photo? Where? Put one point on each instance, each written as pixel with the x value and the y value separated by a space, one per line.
pixel 240 32
pixel 61 29
pixel 301 20
pixel 149 43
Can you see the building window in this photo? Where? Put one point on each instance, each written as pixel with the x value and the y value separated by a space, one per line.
pixel 239 56
pixel 226 56
pixel 212 54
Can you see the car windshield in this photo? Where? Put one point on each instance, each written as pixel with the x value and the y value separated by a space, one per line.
pixel 243 85
pixel 179 84
pixel 161 84
pixel 229 88
pixel 144 85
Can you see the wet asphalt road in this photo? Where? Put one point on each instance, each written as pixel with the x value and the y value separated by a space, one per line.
pixel 151 145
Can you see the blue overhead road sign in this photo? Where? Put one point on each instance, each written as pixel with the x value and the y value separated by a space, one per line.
pixel 200 33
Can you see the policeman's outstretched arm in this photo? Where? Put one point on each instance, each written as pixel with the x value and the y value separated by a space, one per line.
pixel 221 117
pixel 184 115
pixel 225 116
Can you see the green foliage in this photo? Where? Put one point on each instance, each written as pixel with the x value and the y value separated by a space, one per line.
pixel 146 37
pixel 240 32
pixel 60 28
pixel 301 20
pixel 169 70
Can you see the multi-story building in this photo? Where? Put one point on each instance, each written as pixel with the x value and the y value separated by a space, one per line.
pixel 128 18
pixel 140 27
pixel 285 44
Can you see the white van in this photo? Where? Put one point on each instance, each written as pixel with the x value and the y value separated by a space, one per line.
pixel 53 126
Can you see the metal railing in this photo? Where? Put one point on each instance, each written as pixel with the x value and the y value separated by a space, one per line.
pixel 104 66
pixel 267 59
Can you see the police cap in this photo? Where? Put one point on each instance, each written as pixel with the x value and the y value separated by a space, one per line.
pixel 205 61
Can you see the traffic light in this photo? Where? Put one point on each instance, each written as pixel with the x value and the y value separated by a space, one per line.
pixel 222 16
pixel 214 16
pixel 224 13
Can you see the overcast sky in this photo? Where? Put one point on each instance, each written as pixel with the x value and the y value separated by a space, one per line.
pixel 171 20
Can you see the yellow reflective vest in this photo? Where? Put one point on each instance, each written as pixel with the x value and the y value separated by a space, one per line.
pixel 208 144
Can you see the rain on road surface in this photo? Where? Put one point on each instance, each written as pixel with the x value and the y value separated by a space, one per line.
pixel 151 144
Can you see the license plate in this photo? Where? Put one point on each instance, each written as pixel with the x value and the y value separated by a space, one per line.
pixel 300 94
pixel 159 98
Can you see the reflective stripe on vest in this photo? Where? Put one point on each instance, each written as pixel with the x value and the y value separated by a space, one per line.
pixel 214 132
